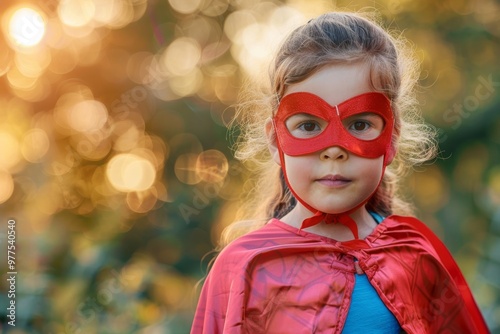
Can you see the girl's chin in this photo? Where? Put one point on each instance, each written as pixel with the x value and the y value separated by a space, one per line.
pixel 331 211
pixel 337 210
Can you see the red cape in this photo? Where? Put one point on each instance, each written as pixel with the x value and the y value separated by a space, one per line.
pixel 279 279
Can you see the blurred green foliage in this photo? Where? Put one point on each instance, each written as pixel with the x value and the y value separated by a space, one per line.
pixel 116 163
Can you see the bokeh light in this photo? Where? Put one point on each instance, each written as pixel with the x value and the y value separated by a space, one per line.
pixel 185 168
pixel 114 13
pixel 35 145
pixel 254 40
pixel 431 190
pixel 87 116
pixel 6 186
pixel 142 202
pixel 212 166
pixel 185 6
pixel 11 152
pixel 33 67
pixel 26 27
pixel 215 7
pixel 5 61
pixel 76 13
pixel 187 84
pixel 181 56
pixel 130 172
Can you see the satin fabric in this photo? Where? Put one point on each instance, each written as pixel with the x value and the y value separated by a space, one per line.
pixel 335 134
pixel 279 279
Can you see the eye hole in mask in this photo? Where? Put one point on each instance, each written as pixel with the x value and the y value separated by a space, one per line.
pixel 364 126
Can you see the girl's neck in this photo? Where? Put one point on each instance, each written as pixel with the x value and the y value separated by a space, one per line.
pixel 365 222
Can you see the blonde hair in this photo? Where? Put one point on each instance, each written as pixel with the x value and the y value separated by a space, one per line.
pixel 329 39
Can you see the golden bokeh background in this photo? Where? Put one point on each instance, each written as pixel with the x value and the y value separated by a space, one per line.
pixel 115 160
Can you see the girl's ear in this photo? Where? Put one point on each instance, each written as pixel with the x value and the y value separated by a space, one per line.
pixel 271 141
pixel 392 151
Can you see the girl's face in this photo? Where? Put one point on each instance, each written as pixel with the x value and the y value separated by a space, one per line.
pixel 333 179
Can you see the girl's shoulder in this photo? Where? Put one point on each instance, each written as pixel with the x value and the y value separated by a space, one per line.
pixel 241 251
pixel 397 223
pixel 272 236
pixel 409 230
pixel 266 236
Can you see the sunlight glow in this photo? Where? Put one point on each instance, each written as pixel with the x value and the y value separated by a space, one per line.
pixel 26 27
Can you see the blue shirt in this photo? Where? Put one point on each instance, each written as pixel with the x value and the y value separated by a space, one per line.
pixel 367 313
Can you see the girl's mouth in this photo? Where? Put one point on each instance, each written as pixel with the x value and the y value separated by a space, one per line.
pixel 333 181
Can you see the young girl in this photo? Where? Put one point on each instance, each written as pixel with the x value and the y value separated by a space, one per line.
pixel 334 256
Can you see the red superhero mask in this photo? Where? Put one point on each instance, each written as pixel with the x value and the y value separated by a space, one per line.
pixel 334 133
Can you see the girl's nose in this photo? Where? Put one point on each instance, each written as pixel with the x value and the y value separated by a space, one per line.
pixel 333 152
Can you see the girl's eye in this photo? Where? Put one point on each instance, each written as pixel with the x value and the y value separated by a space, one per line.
pixel 360 126
pixel 309 126
pixel 365 126
pixel 305 125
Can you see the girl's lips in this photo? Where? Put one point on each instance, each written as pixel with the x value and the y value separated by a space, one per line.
pixel 333 181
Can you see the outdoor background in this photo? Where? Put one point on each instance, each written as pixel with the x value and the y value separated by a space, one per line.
pixel 115 160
